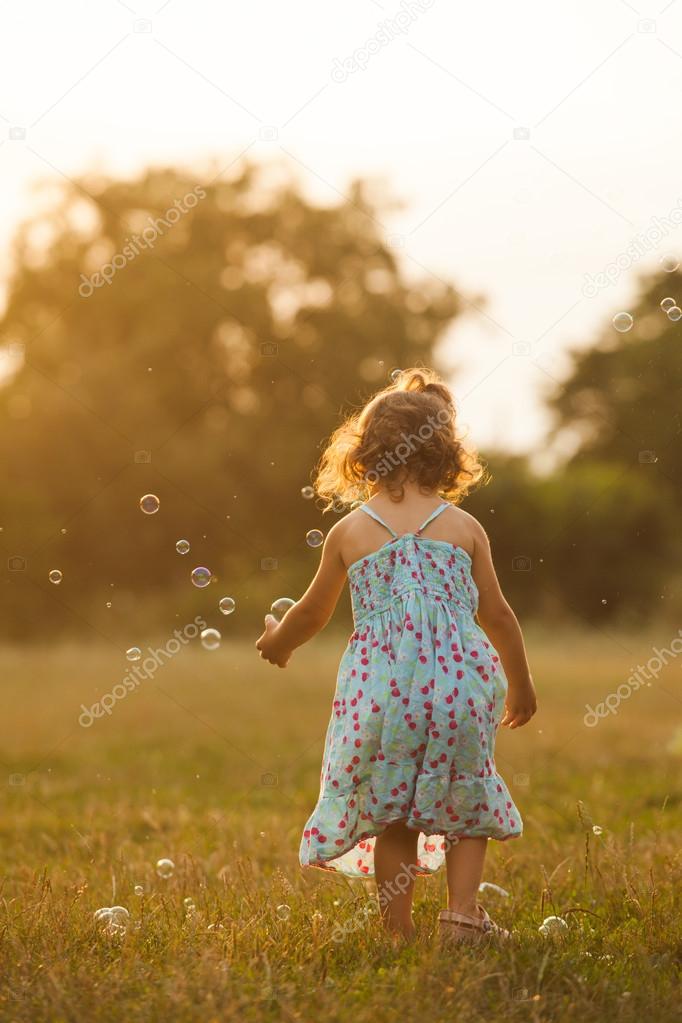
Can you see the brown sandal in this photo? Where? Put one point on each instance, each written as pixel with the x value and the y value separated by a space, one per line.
pixel 456 927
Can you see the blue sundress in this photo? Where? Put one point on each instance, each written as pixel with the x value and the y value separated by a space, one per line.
pixel 419 697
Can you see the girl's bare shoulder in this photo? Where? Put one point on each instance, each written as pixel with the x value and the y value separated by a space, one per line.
pixel 466 519
pixel 356 535
pixel 459 527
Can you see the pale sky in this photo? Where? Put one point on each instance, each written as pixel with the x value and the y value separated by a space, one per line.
pixel 427 96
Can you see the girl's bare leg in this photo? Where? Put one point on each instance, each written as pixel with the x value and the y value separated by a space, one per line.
pixel 395 859
pixel 464 861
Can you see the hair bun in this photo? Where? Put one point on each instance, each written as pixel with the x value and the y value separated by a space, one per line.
pixel 414 380
pixel 424 381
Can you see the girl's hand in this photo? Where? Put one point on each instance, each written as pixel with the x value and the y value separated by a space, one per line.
pixel 519 706
pixel 267 646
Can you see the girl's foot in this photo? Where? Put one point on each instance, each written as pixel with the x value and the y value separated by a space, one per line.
pixel 402 936
pixel 461 927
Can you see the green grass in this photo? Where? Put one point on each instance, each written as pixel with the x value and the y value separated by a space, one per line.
pixel 215 764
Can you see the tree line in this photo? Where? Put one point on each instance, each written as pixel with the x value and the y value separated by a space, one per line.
pixel 198 342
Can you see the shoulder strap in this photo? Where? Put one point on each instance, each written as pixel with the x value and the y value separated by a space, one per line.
pixel 373 515
pixel 432 516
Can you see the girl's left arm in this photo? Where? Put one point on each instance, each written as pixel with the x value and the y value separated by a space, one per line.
pixel 311 613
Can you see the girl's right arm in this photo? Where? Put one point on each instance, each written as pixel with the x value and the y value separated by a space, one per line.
pixel 501 625
pixel 311 613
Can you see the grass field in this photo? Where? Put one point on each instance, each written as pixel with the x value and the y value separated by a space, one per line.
pixel 215 763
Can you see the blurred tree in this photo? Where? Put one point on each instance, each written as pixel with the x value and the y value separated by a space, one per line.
pixel 237 318
pixel 622 401
pixel 592 541
pixel 619 411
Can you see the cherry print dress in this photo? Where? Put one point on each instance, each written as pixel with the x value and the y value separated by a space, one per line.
pixel 419 697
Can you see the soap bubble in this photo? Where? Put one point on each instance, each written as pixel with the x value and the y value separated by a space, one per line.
pixel 283 912
pixel 226 605
pixel 597 829
pixel 149 504
pixel 553 925
pixel 674 313
pixel 667 303
pixel 165 868
pixel 314 538
pixel 120 915
pixel 139 890
pixel 395 375
pixel 623 322
pixel 210 639
pixel 307 493
pixel 55 576
pixel 201 576
pixel 189 901
pixel 114 920
pixel 182 546
pixel 134 653
pixel 669 263
pixel 488 886
pixel 279 607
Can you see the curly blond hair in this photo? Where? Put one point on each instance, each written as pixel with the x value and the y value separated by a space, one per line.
pixel 406 432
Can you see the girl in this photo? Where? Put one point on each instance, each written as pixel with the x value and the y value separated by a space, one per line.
pixel 435 664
